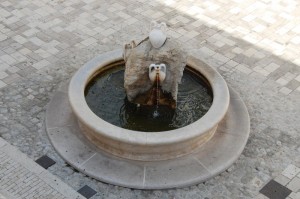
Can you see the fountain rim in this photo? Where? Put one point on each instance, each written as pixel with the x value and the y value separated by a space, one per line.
pixel 85 115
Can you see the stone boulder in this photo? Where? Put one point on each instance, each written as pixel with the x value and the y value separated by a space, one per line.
pixel 138 58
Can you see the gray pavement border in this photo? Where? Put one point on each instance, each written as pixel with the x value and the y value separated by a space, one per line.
pixel 19 160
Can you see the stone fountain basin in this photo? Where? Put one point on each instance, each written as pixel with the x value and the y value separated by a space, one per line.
pixel 155 160
pixel 139 145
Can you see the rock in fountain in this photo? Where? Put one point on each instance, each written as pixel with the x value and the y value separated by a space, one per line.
pixel 155 49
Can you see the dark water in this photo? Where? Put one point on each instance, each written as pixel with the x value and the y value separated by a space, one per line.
pixel 105 95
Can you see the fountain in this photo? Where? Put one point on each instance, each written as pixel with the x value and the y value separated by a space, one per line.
pixel 153 132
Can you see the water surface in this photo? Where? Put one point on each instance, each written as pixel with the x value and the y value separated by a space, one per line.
pixel 106 97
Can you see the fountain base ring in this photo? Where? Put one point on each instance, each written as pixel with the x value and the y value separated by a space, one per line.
pixel 212 158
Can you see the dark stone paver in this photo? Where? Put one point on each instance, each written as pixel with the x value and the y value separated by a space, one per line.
pixel 87 191
pixel 274 190
pixel 45 161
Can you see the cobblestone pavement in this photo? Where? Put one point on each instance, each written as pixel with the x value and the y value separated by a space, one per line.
pixel 254 44
pixel 20 177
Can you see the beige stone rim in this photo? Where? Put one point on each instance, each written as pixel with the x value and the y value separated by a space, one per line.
pixel 146 146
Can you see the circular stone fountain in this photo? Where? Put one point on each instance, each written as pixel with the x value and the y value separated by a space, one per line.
pixel 143 160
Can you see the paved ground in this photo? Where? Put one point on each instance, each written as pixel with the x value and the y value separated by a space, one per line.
pixel 21 177
pixel 255 45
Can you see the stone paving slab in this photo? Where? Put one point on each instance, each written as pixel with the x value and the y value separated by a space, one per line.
pixel 289 179
pixel 21 177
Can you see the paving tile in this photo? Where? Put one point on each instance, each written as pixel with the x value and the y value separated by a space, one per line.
pixel 25 51
pixel 293 84
pixel 237 50
pixel 291 171
pixel 275 190
pixel 282 81
pixel 281 179
pixel 41 64
pixel 12 79
pixel 294 184
pixel 261 71
pixel 285 90
pixel 9 50
pixel 87 191
pixel 18 56
pixel 89 41
pixel 294 195
pixel 250 52
pixel 43 54
pixel 30 32
pixel 271 67
pixel 221 58
pixel 8 59
pixel 45 162
pixel 244 69
pixel 261 196
pixel 206 51
pixel 36 41
pixel 231 64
